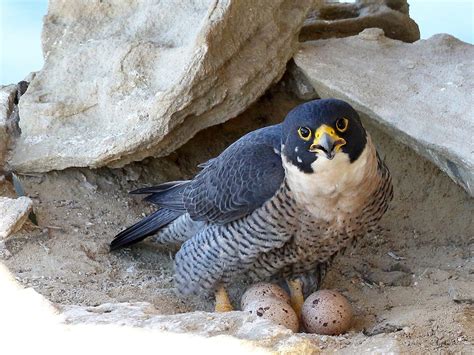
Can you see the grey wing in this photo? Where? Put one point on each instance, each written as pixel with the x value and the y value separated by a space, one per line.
pixel 238 181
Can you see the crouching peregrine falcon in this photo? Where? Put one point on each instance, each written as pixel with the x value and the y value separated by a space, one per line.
pixel 277 204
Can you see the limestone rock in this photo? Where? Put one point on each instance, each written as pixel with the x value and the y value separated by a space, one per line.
pixel 241 325
pixel 124 80
pixel 48 333
pixel 346 19
pixel 14 213
pixel 9 117
pixel 421 93
pixel 17 304
pixel 7 97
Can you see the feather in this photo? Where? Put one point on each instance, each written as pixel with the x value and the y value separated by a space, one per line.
pixel 144 228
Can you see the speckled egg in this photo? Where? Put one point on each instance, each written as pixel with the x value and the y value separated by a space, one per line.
pixel 326 312
pixel 262 290
pixel 275 310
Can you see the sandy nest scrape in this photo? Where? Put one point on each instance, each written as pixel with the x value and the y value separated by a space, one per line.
pixel 401 282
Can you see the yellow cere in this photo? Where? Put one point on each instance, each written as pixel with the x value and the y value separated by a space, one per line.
pixel 332 133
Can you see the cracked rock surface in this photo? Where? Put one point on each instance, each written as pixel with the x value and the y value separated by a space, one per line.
pixel 13 213
pixel 348 19
pixel 7 103
pixel 134 79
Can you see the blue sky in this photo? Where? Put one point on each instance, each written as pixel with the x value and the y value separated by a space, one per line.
pixel 21 20
pixel 20 38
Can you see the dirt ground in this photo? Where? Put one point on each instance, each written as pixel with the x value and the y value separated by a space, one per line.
pixel 409 281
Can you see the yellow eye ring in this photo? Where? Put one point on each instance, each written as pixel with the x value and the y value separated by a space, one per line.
pixel 342 124
pixel 304 133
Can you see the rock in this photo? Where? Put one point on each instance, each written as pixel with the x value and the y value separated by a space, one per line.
pixel 17 305
pixel 14 213
pixel 9 118
pixel 420 93
pixel 5 253
pixel 462 292
pixel 48 330
pixel 137 79
pixel 346 19
pixel 241 325
pixel 7 97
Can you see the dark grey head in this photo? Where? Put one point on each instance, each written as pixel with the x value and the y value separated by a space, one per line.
pixel 320 129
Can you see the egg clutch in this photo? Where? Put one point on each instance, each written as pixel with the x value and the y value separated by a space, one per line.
pixel 325 312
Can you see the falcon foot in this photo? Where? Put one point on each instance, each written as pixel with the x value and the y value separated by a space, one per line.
pixel 296 295
pixel 222 301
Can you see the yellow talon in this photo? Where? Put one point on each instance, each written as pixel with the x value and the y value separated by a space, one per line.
pixel 222 301
pixel 296 296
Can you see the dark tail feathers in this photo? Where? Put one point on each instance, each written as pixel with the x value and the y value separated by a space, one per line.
pixel 144 228
pixel 160 188
pixel 168 195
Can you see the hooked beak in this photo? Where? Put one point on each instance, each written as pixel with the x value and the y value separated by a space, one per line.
pixel 326 142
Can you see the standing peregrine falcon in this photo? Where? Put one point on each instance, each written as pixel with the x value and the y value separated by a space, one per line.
pixel 278 204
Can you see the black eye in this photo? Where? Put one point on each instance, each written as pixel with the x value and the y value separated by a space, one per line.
pixel 304 133
pixel 342 124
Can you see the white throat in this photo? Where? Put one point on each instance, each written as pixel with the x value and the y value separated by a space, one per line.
pixel 337 187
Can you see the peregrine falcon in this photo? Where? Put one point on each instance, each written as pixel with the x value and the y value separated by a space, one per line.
pixel 278 204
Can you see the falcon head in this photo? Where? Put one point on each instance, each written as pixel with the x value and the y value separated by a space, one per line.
pixel 322 129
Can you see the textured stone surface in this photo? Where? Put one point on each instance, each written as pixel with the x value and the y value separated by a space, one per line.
pixel 7 96
pixel 124 80
pixel 126 328
pixel 421 93
pixel 240 325
pixel 129 332
pixel 9 117
pixel 346 19
pixel 462 292
pixel 13 213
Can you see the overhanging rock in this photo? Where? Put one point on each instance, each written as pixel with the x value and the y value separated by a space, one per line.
pixel 125 80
